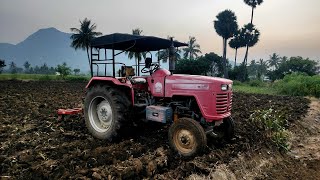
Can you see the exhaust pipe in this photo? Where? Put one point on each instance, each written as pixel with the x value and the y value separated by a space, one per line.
pixel 172 57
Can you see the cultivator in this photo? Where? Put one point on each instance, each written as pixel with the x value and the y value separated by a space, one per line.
pixel 63 112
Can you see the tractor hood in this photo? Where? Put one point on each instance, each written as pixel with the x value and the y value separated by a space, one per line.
pixel 194 79
pixel 196 82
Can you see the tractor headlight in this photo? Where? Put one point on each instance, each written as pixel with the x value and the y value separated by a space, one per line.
pixel 224 87
pixel 230 86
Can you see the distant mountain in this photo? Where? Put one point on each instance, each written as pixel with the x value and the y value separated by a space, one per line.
pixel 49 46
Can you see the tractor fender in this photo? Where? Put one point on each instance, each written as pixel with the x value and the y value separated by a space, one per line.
pixel 125 85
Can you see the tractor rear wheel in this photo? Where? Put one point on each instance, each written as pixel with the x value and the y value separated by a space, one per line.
pixel 187 137
pixel 105 108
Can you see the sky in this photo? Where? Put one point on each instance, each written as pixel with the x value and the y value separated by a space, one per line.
pixel 288 27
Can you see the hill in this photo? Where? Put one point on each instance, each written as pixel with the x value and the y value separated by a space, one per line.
pixel 49 46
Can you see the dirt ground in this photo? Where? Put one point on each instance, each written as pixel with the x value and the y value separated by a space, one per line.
pixel 36 145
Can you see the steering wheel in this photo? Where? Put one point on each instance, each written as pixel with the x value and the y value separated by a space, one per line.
pixel 150 70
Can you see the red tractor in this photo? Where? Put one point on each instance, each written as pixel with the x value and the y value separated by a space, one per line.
pixel 195 106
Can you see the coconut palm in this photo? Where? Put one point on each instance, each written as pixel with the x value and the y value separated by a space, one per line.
pixel 81 37
pixel 137 55
pixel 274 60
pixel 250 36
pixel 262 67
pixel 192 50
pixel 253 4
pixel 226 26
pixel 164 54
pixel 235 43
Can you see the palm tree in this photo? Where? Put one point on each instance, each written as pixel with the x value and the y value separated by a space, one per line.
pixel 164 54
pixel 262 68
pixel 253 4
pixel 192 50
pixel 235 43
pixel 253 68
pixel 283 60
pixel 137 55
pixel 226 26
pixel 274 61
pixel 81 37
pixel 250 36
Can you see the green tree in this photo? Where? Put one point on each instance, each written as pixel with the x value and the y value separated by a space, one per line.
pixel 215 68
pixel 226 26
pixel 2 65
pixel 13 68
pixel 235 43
pixel 209 64
pixel 250 36
pixel 27 66
pixel 262 68
pixel 274 61
pixel 294 65
pixel 63 69
pixel 36 70
pixel 137 55
pixel 283 59
pixel 192 50
pixel 250 27
pixel 76 71
pixel 82 37
pixel 164 54
pixel 253 4
pixel 253 69
pixel 44 69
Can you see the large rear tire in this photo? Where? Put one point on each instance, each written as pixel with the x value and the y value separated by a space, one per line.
pixel 105 108
pixel 187 137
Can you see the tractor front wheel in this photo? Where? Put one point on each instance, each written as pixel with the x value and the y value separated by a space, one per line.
pixel 104 111
pixel 187 137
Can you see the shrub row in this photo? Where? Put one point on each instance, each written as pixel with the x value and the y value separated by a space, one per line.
pixel 299 85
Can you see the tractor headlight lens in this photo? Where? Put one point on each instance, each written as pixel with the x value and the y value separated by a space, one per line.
pixel 224 87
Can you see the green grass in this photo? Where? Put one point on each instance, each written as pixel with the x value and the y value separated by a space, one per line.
pixel 255 89
pixel 42 77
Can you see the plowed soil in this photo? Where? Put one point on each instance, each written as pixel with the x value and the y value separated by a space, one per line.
pixel 36 145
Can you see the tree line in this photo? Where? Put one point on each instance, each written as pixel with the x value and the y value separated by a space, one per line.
pixel 61 69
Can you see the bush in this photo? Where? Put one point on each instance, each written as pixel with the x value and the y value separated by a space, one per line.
pixel 256 83
pixel 299 85
pixel 271 127
pixel 237 83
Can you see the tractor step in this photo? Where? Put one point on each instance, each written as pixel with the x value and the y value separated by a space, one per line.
pixel 63 112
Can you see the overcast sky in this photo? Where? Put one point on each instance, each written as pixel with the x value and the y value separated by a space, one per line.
pixel 288 27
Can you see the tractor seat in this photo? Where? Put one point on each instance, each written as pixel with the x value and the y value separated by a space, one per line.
pixel 138 80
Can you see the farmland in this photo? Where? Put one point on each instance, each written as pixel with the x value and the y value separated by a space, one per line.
pixel 36 145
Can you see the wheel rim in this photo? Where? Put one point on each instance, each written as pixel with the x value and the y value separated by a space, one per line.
pixel 100 114
pixel 184 141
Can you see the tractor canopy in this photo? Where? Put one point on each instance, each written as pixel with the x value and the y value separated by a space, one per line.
pixel 133 43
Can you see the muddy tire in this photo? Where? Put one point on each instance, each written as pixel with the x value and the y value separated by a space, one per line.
pixel 187 137
pixel 105 108
pixel 228 125
pixel 225 131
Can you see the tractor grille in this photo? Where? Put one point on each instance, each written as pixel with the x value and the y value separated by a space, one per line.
pixel 222 101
